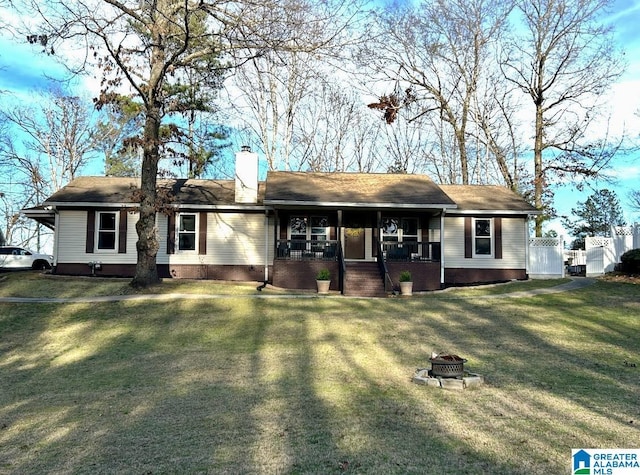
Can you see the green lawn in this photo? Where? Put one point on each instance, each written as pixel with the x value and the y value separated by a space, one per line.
pixel 314 385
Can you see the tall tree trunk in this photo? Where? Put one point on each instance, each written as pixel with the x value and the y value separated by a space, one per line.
pixel 147 245
pixel 462 154
pixel 539 179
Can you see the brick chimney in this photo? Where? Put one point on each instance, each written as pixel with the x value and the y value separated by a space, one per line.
pixel 246 176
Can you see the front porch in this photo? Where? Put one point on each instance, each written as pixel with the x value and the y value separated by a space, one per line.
pixel 297 263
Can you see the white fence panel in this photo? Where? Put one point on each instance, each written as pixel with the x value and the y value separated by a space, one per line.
pixel 624 239
pixel 546 258
pixel 601 255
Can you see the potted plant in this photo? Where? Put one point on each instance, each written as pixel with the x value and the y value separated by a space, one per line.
pixel 323 280
pixel 406 284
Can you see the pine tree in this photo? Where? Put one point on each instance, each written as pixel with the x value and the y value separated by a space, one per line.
pixel 595 216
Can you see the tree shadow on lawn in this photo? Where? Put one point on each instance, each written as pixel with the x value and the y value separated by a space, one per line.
pixel 554 369
pixel 313 386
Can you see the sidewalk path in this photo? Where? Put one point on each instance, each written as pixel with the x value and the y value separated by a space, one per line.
pixel 576 283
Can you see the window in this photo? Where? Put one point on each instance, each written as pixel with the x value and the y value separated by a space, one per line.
pixel 409 229
pixel 319 231
pixel 187 226
pixel 107 227
pixel 400 229
pixel 313 228
pixel 298 225
pixel 400 238
pixel 482 238
pixel 390 229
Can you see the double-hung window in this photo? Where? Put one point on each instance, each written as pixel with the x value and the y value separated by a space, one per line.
pixel 187 231
pixel 400 229
pixel 298 228
pixel 107 230
pixel 319 231
pixel 400 237
pixel 409 229
pixel 482 237
pixel 305 228
pixel 390 228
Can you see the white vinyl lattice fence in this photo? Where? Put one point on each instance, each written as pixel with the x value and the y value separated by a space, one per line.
pixel 547 256
pixel 600 255
pixel 546 259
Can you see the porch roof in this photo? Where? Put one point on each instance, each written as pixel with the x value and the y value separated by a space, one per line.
pixel 380 190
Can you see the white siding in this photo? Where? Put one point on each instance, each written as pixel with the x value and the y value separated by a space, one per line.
pixel 72 240
pixel 514 242
pixel 235 238
pixel 232 239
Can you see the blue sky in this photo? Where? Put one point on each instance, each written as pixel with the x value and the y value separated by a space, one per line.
pixel 624 102
pixel 22 71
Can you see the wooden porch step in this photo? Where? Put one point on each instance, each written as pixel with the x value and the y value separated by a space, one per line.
pixel 362 279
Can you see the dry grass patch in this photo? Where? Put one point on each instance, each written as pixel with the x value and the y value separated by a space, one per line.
pixel 246 385
pixel 44 285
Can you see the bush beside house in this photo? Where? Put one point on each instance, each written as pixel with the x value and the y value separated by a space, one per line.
pixel 630 261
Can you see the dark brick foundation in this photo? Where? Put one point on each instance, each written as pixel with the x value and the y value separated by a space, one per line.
pixel 302 274
pixel 453 277
pixel 425 275
pixel 204 272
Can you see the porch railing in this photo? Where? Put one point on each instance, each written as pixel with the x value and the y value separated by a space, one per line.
pixel 301 250
pixel 410 251
pixel 384 272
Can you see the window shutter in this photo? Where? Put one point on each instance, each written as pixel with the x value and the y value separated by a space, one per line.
pixel 91 231
pixel 202 234
pixel 497 230
pixel 468 238
pixel 171 233
pixel 122 232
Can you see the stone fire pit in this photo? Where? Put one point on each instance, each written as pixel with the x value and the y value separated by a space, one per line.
pixel 447 372
pixel 447 366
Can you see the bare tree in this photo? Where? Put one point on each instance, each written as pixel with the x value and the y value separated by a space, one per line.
pixel 564 62
pixel 58 131
pixel 43 147
pixel 272 86
pixel 272 90
pixel 634 200
pixel 435 53
pixel 148 48
pixel 334 131
pixel 497 131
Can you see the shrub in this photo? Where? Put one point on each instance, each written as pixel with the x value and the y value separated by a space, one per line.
pixel 405 276
pixel 323 274
pixel 631 261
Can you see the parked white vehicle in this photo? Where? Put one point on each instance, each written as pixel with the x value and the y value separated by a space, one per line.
pixel 19 258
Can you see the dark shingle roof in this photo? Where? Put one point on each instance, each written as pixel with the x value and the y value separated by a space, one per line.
pixel 117 190
pixel 303 188
pixel 354 189
pixel 487 198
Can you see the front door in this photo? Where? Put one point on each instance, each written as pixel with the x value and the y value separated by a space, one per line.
pixel 354 243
